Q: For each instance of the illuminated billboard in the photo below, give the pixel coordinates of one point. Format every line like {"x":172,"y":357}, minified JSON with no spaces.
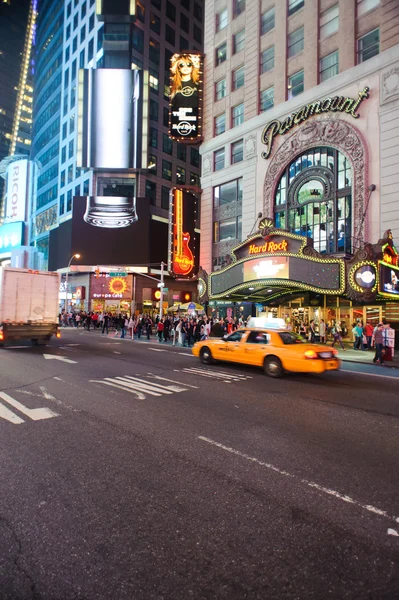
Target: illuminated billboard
{"x":389,"y":280}
{"x":110,"y":212}
{"x":11,"y":237}
{"x":107,"y":286}
{"x":182,"y":235}
{"x":112,"y":119}
{"x":185,"y":97}
{"x":17,"y":185}
{"x":267,"y":268}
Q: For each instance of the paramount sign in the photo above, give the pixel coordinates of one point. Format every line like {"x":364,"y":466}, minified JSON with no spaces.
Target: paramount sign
{"x":335,"y":104}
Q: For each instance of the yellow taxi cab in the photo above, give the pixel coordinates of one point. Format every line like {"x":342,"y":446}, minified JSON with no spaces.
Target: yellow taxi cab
{"x":276,"y":351}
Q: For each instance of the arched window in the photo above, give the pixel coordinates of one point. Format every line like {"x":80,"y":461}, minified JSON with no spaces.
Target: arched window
{"x":314,"y":199}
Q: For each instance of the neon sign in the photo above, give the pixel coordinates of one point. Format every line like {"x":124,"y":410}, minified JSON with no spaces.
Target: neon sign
{"x":269,"y":247}
{"x":182,"y":256}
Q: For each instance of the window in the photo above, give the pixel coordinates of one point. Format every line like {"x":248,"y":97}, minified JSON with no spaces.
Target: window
{"x":70,"y":149}
{"x":63,"y":154}
{"x":180,"y":175}
{"x":82,"y":59}
{"x":64,"y":130}
{"x":156,"y":3}
{"x":152,"y":163}
{"x":165,"y":117}
{"x":155,"y":23}
{"x":220,"y":124}
{"x":221,"y":20}
{"x":151,"y":191}
{"x":314,"y":199}
{"x":91,"y":22}
{"x":185,"y":4}
{"x":221,"y":54}
{"x":167,"y":170}
{"x":267,"y":99}
{"x":227,"y":193}
{"x":62,"y":181}
{"x":165,"y":197}
{"x":153,"y":137}
{"x":295,"y":42}
{"x":238,"y":78}
{"x":239,"y":7}
{"x":140,"y":11}
{"x":169,"y":36}
{"x":154,"y":51}
{"x":235,"y":337}
{"x":183,"y":43}
{"x":218,"y":159}
{"x":197,"y":11}
{"x":138,"y":40}
{"x":184,"y":22}
{"x":258,"y":337}
{"x":69,"y":201}
{"x":295,"y":84}
{"x":194,"y":179}
{"x":368,"y":46}
{"x":237,"y":115}
{"x":197,"y":32}
{"x":170,"y":11}
{"x":167,"y":144}
{"x":62,"y":204}
{"x":364,"y":6}
{"x":75,"y":43}
{"x":294,"y":5}
{"x":153,"y":110}
{"x":329,"y":22}
{"x":239,"y":41}
{"x":267,"y":60}
{"x":70,"y":173}
{"x":267,"y":21}
{"x":194,"y":157}
{"x":237,"y":152}
{"x":181,"y":152}
{"x":90,"y":50}
{"x":329,"y":66}
{"x":227,"y":229}
{"x":153,"y":79}
{"x":86,"y":184}
{"x":220,"y":89}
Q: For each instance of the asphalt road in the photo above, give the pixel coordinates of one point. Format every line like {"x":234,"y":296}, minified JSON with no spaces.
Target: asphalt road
{"x":133,"y":472}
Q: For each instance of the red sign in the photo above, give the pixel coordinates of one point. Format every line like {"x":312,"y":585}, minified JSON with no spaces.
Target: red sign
{"x":182,"y":233}
{"x":269,"y":247}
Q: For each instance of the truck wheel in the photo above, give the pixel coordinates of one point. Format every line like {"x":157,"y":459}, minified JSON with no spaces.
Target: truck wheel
{"x":273,"y":367}
{"x":206,"y":356}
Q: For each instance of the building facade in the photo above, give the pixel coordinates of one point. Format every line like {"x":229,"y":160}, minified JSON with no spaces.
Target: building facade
{"x":301,"y":136}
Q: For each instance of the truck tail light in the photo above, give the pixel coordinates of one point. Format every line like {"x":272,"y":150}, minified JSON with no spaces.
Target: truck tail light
{"x":1,"y":336}
{"x":58,"y":334}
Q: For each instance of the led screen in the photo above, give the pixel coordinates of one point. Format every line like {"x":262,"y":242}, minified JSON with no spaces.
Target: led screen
{"x":107,"y":286}
{"x":11,"y":237}
{"x":110,"y":118}
{"x":266,"y":268}
{"x":389,"y":280}
{"x":185,"y":97}
{"x":183,"y":238}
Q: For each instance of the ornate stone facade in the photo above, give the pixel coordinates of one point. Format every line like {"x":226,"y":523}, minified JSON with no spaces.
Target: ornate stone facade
{"x":324,"y":132}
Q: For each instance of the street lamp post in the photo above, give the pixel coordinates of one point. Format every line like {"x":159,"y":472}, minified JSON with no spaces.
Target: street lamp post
{"x":66,"y":282}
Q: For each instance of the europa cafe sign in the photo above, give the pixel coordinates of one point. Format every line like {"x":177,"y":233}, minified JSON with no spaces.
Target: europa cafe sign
{"x":335,"y":104}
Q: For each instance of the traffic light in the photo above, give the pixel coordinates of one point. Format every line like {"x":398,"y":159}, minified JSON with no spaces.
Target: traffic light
{"x":187,"y":296}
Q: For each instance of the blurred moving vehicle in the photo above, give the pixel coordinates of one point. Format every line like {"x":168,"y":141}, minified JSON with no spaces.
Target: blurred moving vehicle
{"x":29,"y":305}
{"x":276,"y":351}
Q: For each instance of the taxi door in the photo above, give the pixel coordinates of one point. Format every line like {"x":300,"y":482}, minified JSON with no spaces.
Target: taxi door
{"x":230,"y":347}
{"x":255,"y":348}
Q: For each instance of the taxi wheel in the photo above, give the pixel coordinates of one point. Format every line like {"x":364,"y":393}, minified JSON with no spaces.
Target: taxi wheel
{"x":273,"y":367}
{"x":206,"y":356}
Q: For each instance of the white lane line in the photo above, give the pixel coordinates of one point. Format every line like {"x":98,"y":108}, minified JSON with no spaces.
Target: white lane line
{"x":157,"y":350}
{"x":217,"y":373}
{"x":36,"y":414}
{"x":214,"y":375}
{"x":116,"y":352}
{"x":311,"y":484}
{"x":158,"y":378}
{"x":156,"y":386}
{"x":8,"y":415}
{"x":139,"y":395}
{"x":369,"y":374}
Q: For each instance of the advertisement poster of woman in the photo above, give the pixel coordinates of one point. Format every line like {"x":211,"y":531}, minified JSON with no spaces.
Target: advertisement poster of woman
{"x":185,"y":95}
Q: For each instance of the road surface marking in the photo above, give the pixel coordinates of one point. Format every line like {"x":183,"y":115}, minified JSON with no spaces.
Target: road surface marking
{"x":369,"y":374}
{"x":116,"y":352}
{"x":62,"y":358}
{"x":157,"y":350}
{"x":392,"y":532}
{"x":74,"y":344}
{"x":8,"y":415}
{"x":142,"y":386}
{"x":36,"y":414}
{"x":139,"y":395}
{"x":311,"y":484}
{"x":210,"y":374}
{"x":158,"y":378}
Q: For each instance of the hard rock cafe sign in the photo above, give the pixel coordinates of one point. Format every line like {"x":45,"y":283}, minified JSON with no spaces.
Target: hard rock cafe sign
{"x":335,"y":104}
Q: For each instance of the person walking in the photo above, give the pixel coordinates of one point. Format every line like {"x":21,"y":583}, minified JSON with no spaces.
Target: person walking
{"x":358,"y":335}
{"x":312,"y":332}
{"x":379,"y":344}
{"x":160,"y":330}
{"x":337,"y":335}
{"x":105,"y":323}
{"x":368,"y":332}
{"x":322,"y":331}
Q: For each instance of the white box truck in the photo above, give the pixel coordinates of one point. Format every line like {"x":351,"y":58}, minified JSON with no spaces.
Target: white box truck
{"x":29,"y":305}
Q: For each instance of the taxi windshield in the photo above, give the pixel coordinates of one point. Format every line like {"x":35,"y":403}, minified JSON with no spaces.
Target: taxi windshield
{"x":288,"y":337}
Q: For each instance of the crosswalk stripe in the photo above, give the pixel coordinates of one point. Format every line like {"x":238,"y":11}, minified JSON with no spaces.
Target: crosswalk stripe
{"x":173,"y":388}
{"x":140,"y":395}
{"x":133,"y":386}
{"x":158,"y":378}
{"x":145,"y":385}
{"x":211,"y":373}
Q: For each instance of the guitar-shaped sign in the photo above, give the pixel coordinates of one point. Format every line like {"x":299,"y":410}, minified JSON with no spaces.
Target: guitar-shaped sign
{"x":183,"y":259}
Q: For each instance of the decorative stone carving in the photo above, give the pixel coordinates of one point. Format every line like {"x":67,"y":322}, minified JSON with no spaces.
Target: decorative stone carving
{"x":390,"y":84}
{"x":250,"y":146}
{"x":206,"y":164}
{"x":324,"y":132}
{"x":311,"y":252}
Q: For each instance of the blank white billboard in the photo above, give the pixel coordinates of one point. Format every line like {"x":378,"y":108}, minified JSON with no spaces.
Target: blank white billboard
{"x":17,"y":185}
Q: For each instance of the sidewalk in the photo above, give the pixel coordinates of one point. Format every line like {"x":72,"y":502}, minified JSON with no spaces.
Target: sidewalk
{"x":364,"y":357}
